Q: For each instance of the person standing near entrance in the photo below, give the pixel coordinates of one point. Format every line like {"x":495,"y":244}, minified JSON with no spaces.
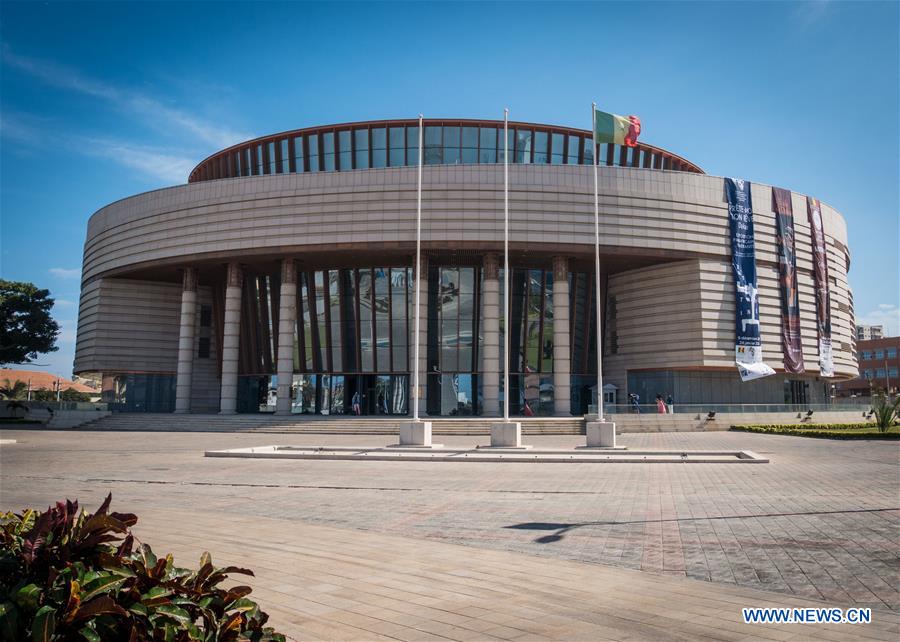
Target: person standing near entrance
{"x":670,"y":404}
{"x":356,"y":409}
{"x":660,"y":405}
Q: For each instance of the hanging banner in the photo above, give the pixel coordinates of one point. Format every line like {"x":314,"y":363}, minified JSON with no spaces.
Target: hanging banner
{"x":751,"y":371}
{"x":823,"y":297}
{"x":748,"y":348}
{"x":791,"y":340}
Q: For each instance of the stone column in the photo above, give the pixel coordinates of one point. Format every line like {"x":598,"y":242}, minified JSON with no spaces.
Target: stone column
{"x":186,"y":340}
{"x":490,"y":329}
{"x":231,"y":339}
{"x":422,"y":338}
{"x":287,"y":317}
{"x":562,"y":395}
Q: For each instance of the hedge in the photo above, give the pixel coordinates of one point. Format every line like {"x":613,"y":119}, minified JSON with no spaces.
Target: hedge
{"x":823,"y":431}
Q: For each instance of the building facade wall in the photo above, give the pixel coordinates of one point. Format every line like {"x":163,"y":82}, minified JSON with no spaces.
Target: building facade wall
{"x":674,"y":219}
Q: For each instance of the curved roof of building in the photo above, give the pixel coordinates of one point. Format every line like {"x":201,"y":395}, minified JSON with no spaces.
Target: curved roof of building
{"x":394,"y":143}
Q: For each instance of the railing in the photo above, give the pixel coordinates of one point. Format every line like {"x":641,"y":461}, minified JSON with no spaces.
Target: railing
{"x":848,"y":405}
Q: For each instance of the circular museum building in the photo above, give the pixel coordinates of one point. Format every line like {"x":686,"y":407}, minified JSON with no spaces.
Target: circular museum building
{"x":281,"y":278}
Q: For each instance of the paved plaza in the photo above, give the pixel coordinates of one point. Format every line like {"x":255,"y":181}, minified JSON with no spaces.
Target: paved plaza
{"x":437,"y":550}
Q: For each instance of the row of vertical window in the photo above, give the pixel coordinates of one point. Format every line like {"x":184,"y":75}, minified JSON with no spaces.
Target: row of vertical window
{"x":398,"y":146}
{"x":867,"y":355}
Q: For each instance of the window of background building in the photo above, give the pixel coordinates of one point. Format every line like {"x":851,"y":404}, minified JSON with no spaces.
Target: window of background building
{"x":892,"y":372}
{"x":879,"y":354}
{"x":892,"y":353}
{"x":865,"y":355}
{"x":867,"y":374}
{"x":879,"y":374}
{"x":203,"y":348}
{"x":327,"y":152}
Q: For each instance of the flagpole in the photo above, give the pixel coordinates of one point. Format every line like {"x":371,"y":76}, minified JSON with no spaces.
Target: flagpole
{"x":597,"y":262}
{"x":506,"y":264}
{"x":418,"y":277}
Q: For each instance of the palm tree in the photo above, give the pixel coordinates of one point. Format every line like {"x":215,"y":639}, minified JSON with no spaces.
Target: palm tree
{"x":15,"y":390}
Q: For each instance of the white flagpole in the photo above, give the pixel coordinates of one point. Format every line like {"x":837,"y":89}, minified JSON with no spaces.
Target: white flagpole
{"x":418,"y":276}
{"x":597,"y":262}
{"x":506,"y":264}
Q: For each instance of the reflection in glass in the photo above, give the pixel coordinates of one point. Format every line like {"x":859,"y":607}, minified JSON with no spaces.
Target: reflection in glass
{"x":313,"y":142}
{"x":523,"y":145}
{"x":574,"y":149}
{"x":412,"y":146}
{"x":285,"y":162}
{"x":556,"y":149}
{"x":433,"y":155}
{"x":540,"y":147}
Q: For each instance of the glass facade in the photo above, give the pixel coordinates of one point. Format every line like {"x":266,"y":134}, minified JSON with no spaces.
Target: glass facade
{"x":139,"y":392}
{"x":353,"y":330}
{"x":397,"y":145}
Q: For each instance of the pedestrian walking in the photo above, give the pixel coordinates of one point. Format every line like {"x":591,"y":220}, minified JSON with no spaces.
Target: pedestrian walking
{"x":670,"y":404}
{"x":660,"y":405}
{"x":356,"y":407}
{"x":635,"y":402}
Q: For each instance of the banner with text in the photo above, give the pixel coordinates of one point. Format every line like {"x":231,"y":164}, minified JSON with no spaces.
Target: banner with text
{"x":823,"y":296}
{"x":748,"y":347}
{"x":791,"y":340}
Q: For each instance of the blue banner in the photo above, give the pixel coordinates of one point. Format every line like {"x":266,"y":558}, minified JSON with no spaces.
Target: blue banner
{"x":748,"y":347}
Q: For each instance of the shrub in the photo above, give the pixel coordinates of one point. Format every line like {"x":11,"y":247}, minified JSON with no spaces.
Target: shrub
{"x":823,"y":431}
{"x":886,"y":412}
{"x":69,"y":575}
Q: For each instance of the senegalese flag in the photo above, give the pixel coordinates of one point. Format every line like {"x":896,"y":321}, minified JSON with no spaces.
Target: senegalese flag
{"x":619,"y":130}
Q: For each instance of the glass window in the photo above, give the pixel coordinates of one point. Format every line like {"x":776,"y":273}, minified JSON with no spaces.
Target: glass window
{"x":879,"y":354}
{"x":346,"y":150}
{"x":398,"y":148}
{"x":285,"y":157}
{"x":205,"y":316}
{"x":540,"y":148}
{"x":361,"y":146}
{"x":510,"y":145}
{"x":259,"y":160}
{"x":573,"y":152}
{"x":237,"y":164}
{"x":892,"y":372}
{"x":328,"y":152}
{"x":556,"y":151}
{"x":588,"y":151}
{"x":382,"y":322}
{"x":366,"y":339}
{"x":412,"y":145}
{"x":867,"y":374}
{"x":488,"y":151}
{"x":433,"y":155}
{"x":892,"y":353}
{"x":866,"y":355}
{"x":400,"y":303}
{"x":469,"y":145}
{"x":203,"y":348}
{"x":272,"y":165}
{"x":313,"y":142}
{"x":379,"y":147}
{"x":451,"y":145}
{"x":524,"y":139}
{"x":879,"y":374}
{"x":248,"y":162}
{"x":298,"y":153}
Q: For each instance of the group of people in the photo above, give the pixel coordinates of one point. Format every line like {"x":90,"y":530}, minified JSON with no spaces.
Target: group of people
{"x":663,"y":405}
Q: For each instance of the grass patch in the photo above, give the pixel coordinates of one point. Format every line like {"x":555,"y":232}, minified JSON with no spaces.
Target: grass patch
{"x":823,"y":431}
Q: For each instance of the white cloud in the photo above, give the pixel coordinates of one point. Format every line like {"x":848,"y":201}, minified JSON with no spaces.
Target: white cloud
{"x":885,"y":314}
{"x":146,"y":108}
{"x":63,"y":303}
{"x":153,"y":161}
{"x":65,"y":273}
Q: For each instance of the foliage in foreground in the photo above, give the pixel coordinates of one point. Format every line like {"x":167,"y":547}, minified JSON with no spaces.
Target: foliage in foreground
{"x":66,"y":574}
{"x":886,"y":412}
{"x":822,"y":431}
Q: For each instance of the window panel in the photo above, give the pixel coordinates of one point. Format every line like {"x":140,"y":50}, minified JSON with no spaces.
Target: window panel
{"x":313,"y":142}
{"x":271,"y":160}
{"x":412,"y":146}
{"x":588,"y":151}
{"x":400,"y":304}
{"x":361,"y":146}
{"x":366,"y":338}
{"x":398,"y":147}
{"x":540,"y":148}
{"x":345,"y":150}
{"x":379,"y":147}
{"x":433,"y":152}
{"x":488,"y":143}
{"x":574,"y":149}
{"x":328,"y":152}
{"x":556,"y":149}
{"x":451,"y":145}
{"x":298,"y":153}
{"x":524,"y":139}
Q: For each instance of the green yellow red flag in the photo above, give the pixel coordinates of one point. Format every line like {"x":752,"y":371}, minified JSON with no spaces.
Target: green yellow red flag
{"x":619,"y":130}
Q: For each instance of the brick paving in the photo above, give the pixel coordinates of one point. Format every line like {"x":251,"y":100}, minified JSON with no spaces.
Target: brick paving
{"x":820,"y":522}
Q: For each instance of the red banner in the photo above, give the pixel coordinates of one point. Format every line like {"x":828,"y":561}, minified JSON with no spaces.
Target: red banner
{"x":791,"y":340}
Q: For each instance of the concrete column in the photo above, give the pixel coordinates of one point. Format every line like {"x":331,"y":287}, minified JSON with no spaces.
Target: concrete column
{"x":422,"y":339}
{"x":231,"y":339}
{"x":562,"y":368}
{"x":186,"y":340}
{"x":287,"y":318}
{"x":490,"y":330}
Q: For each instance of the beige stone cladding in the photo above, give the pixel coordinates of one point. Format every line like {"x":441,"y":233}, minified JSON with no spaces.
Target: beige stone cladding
{"x":652,"y":215}
{"x":128,"y":326}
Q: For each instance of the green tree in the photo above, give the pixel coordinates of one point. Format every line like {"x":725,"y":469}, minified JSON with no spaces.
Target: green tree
{"x":26,"y":327}
{"x":10,"y":390}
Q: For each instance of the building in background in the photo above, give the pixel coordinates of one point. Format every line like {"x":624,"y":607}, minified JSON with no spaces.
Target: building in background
{"x":869,"y":332}
{"x":879,"y":368}
{"x":281,"y":276}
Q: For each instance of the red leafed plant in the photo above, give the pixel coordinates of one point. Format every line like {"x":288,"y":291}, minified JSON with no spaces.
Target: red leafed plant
{"x":66,"y":574}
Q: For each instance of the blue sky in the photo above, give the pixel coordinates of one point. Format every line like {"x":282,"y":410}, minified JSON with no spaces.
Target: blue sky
{"x":102,"y":101}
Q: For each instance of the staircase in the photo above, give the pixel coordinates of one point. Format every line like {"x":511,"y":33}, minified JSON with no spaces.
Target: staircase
{"x":339,"y":425}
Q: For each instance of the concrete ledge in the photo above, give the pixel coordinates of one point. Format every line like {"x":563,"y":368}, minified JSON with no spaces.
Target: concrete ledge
{"x":506,"y":434}
{"x":600,"y":434}
{"x":415,"y":433}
